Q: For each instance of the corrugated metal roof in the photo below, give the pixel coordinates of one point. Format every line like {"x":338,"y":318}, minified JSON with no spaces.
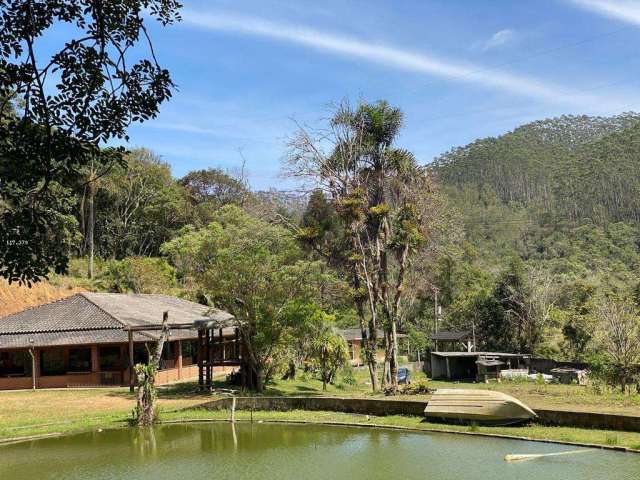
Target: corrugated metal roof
{"x":450,"y":336}
{"x":479,"y":354}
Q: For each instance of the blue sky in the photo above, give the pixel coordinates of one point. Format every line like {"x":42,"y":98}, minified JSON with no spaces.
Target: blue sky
{"x":247,"y":71}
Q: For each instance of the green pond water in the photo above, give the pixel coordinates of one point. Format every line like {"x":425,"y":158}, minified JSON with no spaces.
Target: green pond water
{"x":268,"y":451}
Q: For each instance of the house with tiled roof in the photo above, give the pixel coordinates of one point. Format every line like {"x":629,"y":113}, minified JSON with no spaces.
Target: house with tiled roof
{"x":94,"y":339}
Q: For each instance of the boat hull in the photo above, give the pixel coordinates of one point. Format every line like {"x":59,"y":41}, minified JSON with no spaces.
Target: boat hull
{"x":483,"y":407}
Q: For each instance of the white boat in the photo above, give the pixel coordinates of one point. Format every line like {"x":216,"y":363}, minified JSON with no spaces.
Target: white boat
{"x":476,"y":406}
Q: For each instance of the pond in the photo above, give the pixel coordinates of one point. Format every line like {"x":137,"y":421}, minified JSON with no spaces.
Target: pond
{"x":282,"y":451}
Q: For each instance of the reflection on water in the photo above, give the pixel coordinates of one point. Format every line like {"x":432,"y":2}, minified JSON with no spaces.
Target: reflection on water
{"x":254,"y":451}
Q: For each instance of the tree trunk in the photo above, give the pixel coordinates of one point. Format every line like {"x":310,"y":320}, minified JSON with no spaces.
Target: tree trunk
{"x":145,"y":408}
{"x":393,"y":360}
{"x":259,"y":382}
{"x":90,"y":227}
{"x":373,"y":373}
{"x":368,"y":339}
{"x":372,"y":362}
{"x":385,"y":372}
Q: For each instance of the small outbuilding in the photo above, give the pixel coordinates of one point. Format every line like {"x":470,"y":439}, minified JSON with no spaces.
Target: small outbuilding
{"x":475,"y":366}
{"x":452,"y":341}
{"x":353,"y":337}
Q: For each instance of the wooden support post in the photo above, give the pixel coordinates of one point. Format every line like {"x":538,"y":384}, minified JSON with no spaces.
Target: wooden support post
{"x":200,"y":360}
{"x":34,"y":371}
{"x":207,"y":336}
{"x":236,"y":346}
{"x":243,"y":366}
{"x":179,"y":358}
{"x":448,"y":368}
{"x":95,"y":361}
{"x":131,"y":372}
{"x":222,"y":347}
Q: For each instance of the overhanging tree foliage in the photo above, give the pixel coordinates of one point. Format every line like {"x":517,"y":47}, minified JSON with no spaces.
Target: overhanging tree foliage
{"x":257,"y":272}
{"x":86,"y":93}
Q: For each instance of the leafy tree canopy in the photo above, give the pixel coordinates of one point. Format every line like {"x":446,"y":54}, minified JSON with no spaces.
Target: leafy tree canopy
{"x":66,"y":105}
{"x":255,"y":270}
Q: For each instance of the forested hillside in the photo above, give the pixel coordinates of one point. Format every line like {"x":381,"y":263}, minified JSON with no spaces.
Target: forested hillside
{"x":551,"y":215}
{"x":574,"y":169}
{"x":538,"y":234}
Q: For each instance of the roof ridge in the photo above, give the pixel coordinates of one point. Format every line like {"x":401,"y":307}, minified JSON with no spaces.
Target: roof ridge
{"x":33,"y":307}
{"x":102,"y":309}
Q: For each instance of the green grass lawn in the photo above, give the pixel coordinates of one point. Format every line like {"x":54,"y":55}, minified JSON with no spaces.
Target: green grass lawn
{"x":26,"y":413}
{"x":550,"y":396}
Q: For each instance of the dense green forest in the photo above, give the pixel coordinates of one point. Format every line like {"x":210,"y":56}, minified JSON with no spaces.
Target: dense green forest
{"x":536,"y":243}
{"x":531,"y":240}
{"x":550,"y":218}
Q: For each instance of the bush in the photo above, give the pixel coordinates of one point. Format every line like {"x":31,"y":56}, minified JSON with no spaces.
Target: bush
{"x":137,"y":275}
{"x":348,"y":376}
{"x":420,"y":387}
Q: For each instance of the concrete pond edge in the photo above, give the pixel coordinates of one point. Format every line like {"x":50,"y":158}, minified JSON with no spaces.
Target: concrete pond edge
{"x":382,"y":407}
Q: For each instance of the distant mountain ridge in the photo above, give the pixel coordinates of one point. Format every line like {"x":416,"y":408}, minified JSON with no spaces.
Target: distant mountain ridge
{"x":572,"y":168}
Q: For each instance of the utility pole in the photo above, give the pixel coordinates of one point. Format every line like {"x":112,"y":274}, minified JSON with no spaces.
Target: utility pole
{"x":32,"y":352}
{"x":473,"y":330}
{"x":436,"y":309}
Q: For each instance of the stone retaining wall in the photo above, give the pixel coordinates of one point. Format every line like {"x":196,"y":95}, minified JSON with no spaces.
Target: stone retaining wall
{"x":380,"y":407}
{"x":605,"y":421}
{"x":364,"y":406}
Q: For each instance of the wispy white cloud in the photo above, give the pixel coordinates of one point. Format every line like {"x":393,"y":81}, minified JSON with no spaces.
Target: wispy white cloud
{"x":184,"y":127}
{"x":396,"y":58}
{"x":625,"y":10}
{"x":499,"y":39}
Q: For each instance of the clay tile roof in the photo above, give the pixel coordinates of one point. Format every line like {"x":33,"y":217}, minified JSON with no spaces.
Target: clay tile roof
{"x":60,"y":339}
{"x":69,"y":314}
{"x":103,"y":318}
{"x":147,"y":309}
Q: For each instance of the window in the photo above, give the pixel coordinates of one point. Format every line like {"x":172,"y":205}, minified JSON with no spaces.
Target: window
{"x":110,"y":359}
{"x":15,"y":364}
{"x":79,"y":359}
{"x":189,"y":352}
{"x":140,"y":354}
{"x":52,"y":362}
{"x":167,"y":351}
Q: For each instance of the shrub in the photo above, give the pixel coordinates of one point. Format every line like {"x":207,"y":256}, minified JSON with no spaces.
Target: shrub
{"x":420,"y":387}
{"x":137,"y":275}
{"x":348,"y":375}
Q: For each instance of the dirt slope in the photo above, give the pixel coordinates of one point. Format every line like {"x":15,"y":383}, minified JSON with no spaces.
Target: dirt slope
{"x":14,"y":298}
